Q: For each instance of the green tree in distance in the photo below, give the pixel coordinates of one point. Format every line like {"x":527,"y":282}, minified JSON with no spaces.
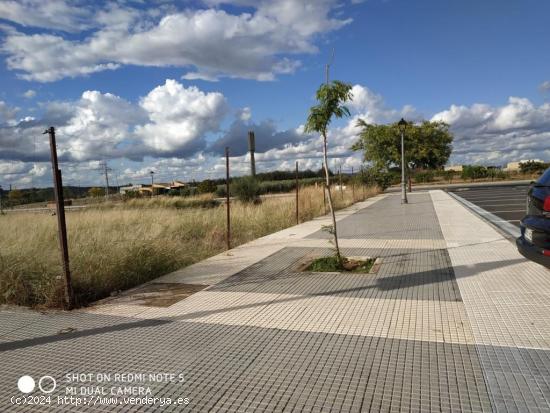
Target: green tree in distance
{"x":428,"y":145}
{"x":96,"y":192}
{"x":207,"y":186}
{"x":331,"y":98}
{"x":15,"y":196}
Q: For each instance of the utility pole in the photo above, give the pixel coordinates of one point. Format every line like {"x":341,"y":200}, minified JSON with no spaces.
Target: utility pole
{"x":106,"y":170}
{"x":1,"y":206}
{"x":61,"y":223}
{"x":327,"y":66}
{"x":228,"y":235}
{"x":252,"y":149}
{"x":152,"y":183}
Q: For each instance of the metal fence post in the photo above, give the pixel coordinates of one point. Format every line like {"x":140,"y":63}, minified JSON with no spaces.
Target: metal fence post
{"x":352,"y":186}
{"x":297,"y":207}
{"x":228,"y":235}
{"x":61,"y":223}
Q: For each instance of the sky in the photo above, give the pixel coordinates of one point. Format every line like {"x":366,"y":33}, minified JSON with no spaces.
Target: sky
{"x":165,"y":86}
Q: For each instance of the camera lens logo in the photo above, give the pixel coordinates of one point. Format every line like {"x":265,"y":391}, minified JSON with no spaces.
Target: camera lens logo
{"x":46,"y":384}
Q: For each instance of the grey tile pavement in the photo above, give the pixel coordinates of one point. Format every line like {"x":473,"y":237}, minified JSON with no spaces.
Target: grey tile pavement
{"x":271,"y":339}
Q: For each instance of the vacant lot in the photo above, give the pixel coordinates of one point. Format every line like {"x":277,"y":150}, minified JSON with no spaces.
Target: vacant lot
{"x":119,"y":246}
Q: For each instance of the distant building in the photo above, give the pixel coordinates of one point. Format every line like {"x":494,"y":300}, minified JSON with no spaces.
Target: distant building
{"x":456,"y":168}
{"x":160,"y":188}
{"x":514,"y":166}
{"x":130,"y":188}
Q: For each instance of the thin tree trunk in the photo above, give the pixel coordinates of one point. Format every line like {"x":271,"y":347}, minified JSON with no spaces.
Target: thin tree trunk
{"x":327,"y":183}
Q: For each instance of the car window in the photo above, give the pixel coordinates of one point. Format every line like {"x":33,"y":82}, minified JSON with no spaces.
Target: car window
{"x":545,"y":178}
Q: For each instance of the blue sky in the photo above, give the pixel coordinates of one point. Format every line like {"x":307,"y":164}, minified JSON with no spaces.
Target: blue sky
{"x":98,"y":71}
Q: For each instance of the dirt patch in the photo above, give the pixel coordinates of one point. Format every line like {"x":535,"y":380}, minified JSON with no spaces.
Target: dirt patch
{"x":156,"y":294}
{"x":365,"y":265}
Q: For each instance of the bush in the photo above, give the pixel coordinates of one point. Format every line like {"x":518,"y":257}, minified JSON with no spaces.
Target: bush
{"x":207,"y":186}
{"x":96,"y":192}
{"x":448,"y":175}
{"x":532,"y":167}
{"x":424,"y":176}
{"x":131,"y":195}
{"x":474,"y":172}
{"x":246,"y":189}
{"x":381,"y":179}
{"x":495,"y":173}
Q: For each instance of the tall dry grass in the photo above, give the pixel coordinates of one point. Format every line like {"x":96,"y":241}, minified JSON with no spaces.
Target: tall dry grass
{"x":118,"y":246}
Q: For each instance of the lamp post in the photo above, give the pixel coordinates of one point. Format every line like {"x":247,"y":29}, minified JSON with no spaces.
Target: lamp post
{"x":402,"y":125}
{"x":152,"y":183}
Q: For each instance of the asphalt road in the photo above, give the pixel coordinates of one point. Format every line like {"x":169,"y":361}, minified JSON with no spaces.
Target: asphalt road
{"x":505,"y":201}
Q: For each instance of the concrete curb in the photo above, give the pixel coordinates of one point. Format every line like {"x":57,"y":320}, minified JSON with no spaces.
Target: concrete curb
{"x":510,"y":231}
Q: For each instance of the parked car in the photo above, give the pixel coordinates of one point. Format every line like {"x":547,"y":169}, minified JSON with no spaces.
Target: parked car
{"x":534,"y":242}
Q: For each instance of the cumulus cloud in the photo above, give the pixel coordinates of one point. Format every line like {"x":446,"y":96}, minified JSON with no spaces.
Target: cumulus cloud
{"x":487,"y":134}
{"x":169,"y":120}
{"x":209,"y":42}
{"x":165,"y":132}
{"x":372,"y":108}
{"x":179,"y":117}
{"x":266,"y":133}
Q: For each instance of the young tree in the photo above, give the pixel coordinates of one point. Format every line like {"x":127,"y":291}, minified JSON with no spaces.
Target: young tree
{"x":331,"y":98}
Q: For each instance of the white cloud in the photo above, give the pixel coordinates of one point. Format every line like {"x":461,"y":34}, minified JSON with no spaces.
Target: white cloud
{"x":29,"y":94}
{"x":51,"y":14}
{"x":179,"y":116}
{"x":98,"y":125}
{"x":165,"y":132}
{"x":372,"y":108}
{"x":245,"y":114}
{"x":209,"y":42}
{"x":7,"y":113}
{"x":487,"y":134}
{"x":545,"y":86}
{"x":169,"y":120}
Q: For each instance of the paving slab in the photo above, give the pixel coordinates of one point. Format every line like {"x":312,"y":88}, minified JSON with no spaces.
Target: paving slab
{"x":421,"y":334}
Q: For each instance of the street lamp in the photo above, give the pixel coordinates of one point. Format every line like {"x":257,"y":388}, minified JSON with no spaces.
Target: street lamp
{"x":402,"y":124}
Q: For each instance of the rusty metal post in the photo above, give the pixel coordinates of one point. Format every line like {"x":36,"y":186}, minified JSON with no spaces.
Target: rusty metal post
{"x":297,"y":198}
{"x":341,"y":187}
{"x":363,"y":182}
{"x":227,"y":201}
{"x":352,"y":186}
{"x":61,"y":223}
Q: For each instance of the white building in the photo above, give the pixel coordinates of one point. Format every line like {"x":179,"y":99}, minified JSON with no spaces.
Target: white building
{"x":456,"y":168}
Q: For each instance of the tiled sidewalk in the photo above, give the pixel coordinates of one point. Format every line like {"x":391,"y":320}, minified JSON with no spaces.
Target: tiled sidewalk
{"x":419,"y":335}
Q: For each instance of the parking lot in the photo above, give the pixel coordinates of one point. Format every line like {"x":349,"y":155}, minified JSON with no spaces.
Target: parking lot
{"x":504,"y":201}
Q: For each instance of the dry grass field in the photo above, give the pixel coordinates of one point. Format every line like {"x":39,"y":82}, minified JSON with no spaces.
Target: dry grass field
{"x":115,"y":247}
